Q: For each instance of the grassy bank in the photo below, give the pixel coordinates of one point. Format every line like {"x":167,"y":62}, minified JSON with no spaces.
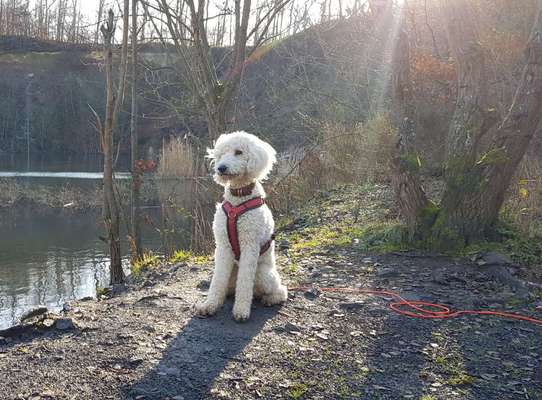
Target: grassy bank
{"x":364,"y":217}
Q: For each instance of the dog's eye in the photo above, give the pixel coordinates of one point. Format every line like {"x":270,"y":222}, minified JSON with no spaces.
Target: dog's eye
{"x":238,"y":152}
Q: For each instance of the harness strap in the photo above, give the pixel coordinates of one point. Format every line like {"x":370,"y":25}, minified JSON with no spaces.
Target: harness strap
{"x":232,"y":214}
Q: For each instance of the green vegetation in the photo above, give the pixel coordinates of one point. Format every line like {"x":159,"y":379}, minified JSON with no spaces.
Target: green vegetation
{"x":297,"y":390}
{"x":183,"y":256}
{"x":335,"y":221}
{"x":102,"y":291}
{"x":461,"y":380}
{"x":41,"y":58}
{"x":146,"y":262}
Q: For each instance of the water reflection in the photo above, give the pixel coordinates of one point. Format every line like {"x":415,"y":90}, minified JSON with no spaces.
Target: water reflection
{"x":50,"y":257}
{"x":61,"y":175}
{"x":46,"y":260}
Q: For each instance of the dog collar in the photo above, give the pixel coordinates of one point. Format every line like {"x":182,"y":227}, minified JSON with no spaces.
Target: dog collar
{"x":243,"y":191}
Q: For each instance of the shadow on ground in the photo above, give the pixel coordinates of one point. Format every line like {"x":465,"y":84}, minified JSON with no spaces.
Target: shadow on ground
{"x":198,"y":355}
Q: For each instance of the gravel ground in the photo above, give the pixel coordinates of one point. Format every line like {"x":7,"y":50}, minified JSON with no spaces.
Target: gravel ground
{"x":144,"y":342}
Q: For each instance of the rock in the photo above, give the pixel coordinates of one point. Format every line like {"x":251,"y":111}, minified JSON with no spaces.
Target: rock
{"x":324,"y":335}
{"x":289,"y":327}
{"x":48,"y":322}
{"x":204,"y":285}
{"x":118,"y":289}
{"x":499,"y":273}
{"x":386,"y":273}
{"x":312,"y":294}
{"x":64,"y":324}
{"x":39,"y":311}
{"x":171,"y":371}
{"x":492,"y":258}
{"x":283,"y":244}
{"x":66,"y":307}
{"x":351,"y":306}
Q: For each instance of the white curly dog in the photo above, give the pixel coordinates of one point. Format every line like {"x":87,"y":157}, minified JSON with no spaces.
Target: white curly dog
{"x":243,"y":227}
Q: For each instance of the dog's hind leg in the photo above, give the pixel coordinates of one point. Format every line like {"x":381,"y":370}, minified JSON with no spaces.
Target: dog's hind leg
{"x":268,"y":283}
{"x":219,"y":282}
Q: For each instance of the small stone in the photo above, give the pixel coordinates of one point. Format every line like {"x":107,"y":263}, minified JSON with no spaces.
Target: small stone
{"x":204,"y":285}
{"x":64,"y":324}
{"x":312,"y":294}
{"x":47,"y":323}
{"x":351,"y":306}
{"x":322,"y":335}
{"x":34,"y":313}
{"x":492,"y":258}
{"x":283,"y":244}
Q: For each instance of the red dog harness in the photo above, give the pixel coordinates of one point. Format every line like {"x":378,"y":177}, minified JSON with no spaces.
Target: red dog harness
{"x":232,"y":214}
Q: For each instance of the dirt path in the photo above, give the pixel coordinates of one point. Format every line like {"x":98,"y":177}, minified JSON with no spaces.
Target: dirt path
{"x":145,"y":343}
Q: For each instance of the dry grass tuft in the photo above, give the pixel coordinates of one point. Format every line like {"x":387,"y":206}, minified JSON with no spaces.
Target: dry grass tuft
{"x":179,"y":159}
{"x":524,"y":206}
{"x":360,"y":153}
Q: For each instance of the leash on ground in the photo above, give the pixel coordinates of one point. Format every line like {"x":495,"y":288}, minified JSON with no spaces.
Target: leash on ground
{"x":415,"y":308}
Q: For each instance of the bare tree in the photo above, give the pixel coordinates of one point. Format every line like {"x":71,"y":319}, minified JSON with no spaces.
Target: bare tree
{"x":136,"y":169}
{"x":100,"y":12}
{"x":217,"y":94}
{"x":111,"y":211}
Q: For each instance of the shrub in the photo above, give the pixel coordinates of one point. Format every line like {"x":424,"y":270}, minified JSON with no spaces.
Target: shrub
{"x":524,"y":205}
{"x":360,"y":153}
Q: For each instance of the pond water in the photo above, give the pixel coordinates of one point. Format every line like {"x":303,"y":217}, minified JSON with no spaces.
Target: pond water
{"x":49,"y":258}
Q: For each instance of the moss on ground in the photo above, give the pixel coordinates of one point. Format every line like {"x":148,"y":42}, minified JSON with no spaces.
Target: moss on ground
{"x":364,"y":217}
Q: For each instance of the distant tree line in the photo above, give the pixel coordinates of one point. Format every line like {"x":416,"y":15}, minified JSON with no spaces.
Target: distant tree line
{"x":65,"y":21}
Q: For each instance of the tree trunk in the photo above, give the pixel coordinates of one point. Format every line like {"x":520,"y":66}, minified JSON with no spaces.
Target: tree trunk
{"x":113,"y":103}
{"x":111,"y":211}
{"x":412,"y":201}
{"x":137,"y":173}
{"x":476,"y":184}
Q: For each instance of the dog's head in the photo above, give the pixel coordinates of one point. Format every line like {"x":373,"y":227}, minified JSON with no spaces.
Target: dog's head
{"x":241,"y":157}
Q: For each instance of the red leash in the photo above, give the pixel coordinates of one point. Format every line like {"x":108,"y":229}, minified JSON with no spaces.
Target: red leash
{"x":420,"y":309}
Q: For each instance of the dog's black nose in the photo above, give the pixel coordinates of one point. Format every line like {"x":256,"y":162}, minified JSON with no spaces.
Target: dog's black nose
{"x":222,"y":168}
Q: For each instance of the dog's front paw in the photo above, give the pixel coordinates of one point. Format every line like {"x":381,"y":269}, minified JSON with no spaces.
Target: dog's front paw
{"x":206,"y":308}
{"x":241,"y":314}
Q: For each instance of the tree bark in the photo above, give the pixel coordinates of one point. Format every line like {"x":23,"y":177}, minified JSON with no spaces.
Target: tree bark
{"x":111,"y":211}
{"x":113,"y":104}
{"x":414,"y":206}
{"x":137,"y":173}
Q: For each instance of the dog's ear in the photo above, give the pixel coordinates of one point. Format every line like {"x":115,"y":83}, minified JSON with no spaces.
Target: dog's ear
{"x":262,"y":158}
